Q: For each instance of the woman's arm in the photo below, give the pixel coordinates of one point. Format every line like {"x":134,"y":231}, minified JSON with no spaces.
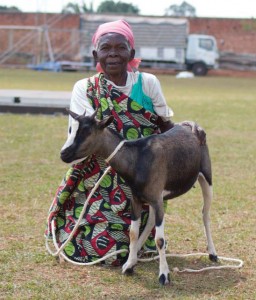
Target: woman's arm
{"x":152,"y":88}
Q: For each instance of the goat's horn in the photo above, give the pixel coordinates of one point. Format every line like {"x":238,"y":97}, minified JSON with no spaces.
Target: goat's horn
{"x":73,"y":114}
{"x":95,"y":113}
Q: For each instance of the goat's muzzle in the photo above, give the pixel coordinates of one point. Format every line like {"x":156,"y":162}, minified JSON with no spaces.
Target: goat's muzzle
{"x":66,"y":156}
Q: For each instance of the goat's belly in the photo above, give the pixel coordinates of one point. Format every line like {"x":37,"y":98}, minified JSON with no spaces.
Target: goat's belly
{"x":179,"y":187}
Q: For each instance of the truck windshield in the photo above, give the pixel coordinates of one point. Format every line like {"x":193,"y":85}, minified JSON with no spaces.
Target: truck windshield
{"x":206,"y":44}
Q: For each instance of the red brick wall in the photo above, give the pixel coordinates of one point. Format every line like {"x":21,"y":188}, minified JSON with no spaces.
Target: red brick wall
{"x":70,"y":21}
{"x":31,"y":46}
{"x":233,"y":35}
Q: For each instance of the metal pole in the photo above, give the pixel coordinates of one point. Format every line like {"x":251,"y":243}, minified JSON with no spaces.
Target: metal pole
{"x":48,"y":41}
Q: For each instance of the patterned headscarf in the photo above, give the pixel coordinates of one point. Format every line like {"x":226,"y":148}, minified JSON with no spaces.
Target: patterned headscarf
{"x":121,"y":27}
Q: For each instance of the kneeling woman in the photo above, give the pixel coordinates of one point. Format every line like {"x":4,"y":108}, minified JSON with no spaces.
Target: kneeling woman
{"x":137,"y":103}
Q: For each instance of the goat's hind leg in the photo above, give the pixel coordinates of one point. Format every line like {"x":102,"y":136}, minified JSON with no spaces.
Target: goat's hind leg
{"x":207,"y":192}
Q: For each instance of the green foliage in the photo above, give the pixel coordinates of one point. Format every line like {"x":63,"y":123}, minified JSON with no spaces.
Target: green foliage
{"x":110,"y":6}
{"x":4,"y":8}
{"x":74,"y":8}
{"x":31,"y":171}
{"x":107,"y":6}
{"x":182,"y":10}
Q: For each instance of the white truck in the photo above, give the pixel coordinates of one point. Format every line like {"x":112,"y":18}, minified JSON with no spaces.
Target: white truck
{"x":161,"y":42}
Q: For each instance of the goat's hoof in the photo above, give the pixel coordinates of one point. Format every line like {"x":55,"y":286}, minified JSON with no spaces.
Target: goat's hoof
{"x":163,"y":279}
{"x":213,"y":258}
{"x":129,"y":271}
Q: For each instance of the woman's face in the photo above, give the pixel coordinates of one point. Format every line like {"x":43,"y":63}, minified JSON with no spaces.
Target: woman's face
{"x":113,"y":53}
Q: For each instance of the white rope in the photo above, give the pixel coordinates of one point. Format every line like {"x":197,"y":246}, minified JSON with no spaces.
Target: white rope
{"x":187,"y":270}
{"x":119,"y":146}
{"x":62,"y":254}
{"x":78,"y":221}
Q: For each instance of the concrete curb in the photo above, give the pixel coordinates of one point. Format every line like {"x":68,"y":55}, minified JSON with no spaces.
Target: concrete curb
{"x":34,"y":102}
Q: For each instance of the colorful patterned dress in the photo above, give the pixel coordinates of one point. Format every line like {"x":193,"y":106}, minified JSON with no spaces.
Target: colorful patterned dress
{"x":105,"y":225}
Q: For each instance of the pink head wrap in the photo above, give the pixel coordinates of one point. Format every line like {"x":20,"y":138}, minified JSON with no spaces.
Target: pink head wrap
{"x":121,"y":27}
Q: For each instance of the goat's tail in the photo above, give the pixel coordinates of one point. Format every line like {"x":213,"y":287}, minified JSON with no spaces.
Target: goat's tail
{"x":196,"y":129}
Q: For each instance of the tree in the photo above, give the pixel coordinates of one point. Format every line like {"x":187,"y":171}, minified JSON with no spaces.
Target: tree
{"x":126,"y":8}
{"x":9,"y":9}
{"x":74,"y":8}
{"x":107,"y":6}
{"x":183,"y":10}
{"x":110,"y":6}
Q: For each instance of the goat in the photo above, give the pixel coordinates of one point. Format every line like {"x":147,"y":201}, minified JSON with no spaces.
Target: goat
{"x":159,"y":166}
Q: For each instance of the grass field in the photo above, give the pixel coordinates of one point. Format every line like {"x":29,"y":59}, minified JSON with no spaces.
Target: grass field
{"x":31,"y":171}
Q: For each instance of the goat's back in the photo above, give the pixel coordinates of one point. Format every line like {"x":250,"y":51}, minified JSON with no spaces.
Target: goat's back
{"x":174,"y":164}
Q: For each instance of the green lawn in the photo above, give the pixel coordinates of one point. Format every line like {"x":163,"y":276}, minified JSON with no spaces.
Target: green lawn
{"x":38,"y":80}
{"x":31,"y":171}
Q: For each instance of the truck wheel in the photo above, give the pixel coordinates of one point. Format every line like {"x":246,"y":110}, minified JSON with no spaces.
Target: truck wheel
{"x":199,"y":69}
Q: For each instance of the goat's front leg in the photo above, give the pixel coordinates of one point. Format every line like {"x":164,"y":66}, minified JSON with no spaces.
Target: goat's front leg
{"x":134,"y":235}
{"x":164,"y":273}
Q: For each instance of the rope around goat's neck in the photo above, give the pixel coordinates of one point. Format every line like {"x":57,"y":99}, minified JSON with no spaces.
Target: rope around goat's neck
{"x":119,"y":146}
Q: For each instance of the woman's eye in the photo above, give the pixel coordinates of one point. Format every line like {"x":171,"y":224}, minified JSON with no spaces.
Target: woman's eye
{"x":104,"y":48}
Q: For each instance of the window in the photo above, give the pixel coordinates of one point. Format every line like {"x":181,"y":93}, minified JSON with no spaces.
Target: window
{"x":206,"y":44}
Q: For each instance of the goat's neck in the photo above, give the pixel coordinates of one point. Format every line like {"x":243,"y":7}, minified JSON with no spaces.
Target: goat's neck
{"x":108,"y":142}
{"x":123,"y":159}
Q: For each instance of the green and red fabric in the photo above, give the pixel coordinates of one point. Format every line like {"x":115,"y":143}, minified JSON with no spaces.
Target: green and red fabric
{"x":105,"y":225}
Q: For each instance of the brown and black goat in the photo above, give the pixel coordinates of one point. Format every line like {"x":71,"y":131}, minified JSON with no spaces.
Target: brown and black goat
{"x":161,"y":166}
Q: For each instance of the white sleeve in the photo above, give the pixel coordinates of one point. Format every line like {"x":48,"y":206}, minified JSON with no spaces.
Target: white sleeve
{"x":79,"y":104}
{"x":152,"y":88}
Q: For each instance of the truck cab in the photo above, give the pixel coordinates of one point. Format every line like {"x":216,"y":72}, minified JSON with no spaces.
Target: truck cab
{"x":201,"y":54}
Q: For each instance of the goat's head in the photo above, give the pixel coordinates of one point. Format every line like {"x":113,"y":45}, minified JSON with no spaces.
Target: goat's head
{"x":85,"y":141}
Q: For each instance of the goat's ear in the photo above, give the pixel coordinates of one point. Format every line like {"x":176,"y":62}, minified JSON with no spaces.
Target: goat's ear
{"x":73,"y":114}
{"x":104,"y":123}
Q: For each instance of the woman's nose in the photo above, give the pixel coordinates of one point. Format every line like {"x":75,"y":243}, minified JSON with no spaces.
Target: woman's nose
{"x":112,"y":52}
